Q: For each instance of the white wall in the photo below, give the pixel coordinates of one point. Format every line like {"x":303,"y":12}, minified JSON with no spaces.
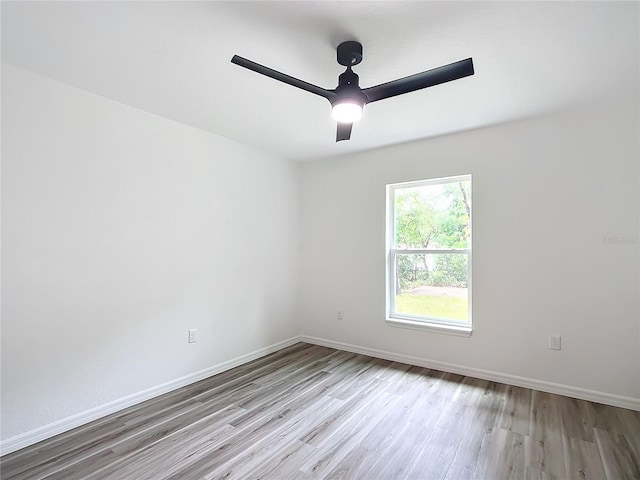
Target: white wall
{"x":549,"y":194}
{"x":121,"y":230}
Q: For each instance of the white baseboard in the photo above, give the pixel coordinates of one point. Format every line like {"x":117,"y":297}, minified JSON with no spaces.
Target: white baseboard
{"x":47,"y":431}
{"x":566,"y":390}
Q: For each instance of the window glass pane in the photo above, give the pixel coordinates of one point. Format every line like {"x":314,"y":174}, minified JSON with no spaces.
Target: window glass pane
{"x":433,"y":216}
{"x":432,"y":285}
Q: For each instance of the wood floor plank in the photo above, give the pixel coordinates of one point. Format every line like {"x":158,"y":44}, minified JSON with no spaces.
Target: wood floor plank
{"x":363,"y":459}
{"x":282,"y":456}
{"x":501,"y":456}
{"x":325,"y":429}
{"x":543,"y":448}
{"x":442,"y":443}
{"x":429,"y":403}
{"x":346,"y":436}
{"x":268,"y":397}
{"x":582,"y":459}
{"x":355,"y":380}
{"x":309,"y":412}
{"x":516,"y":412}
{"x":572,"y":422}
{"x":402,"y":453}
{"x":137,"y":436}
{"x":154,"y":457}
{"x":393,"y":370}
{"x":262,"y":427}
{"x":618,"y":459}
{"x":478,"y":421}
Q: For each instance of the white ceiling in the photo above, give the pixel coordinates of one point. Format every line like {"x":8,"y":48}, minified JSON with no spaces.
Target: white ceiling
{"x":172,"y":59}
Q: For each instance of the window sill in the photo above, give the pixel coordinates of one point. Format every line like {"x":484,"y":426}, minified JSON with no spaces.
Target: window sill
{"x":430,"y":327}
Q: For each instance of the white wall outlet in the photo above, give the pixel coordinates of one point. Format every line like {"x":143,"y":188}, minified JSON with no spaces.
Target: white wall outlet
{"x":340,"y":315}
{"x":193,"y":335}
{"x":555,"y":342}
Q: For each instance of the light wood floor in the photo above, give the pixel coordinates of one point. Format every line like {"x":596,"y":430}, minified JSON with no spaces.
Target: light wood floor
{"x":314,"y":412}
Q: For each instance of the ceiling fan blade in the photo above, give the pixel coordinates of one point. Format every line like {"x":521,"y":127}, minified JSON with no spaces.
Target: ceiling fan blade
{"x":344,"y":131}
{"x":436,"y":76}
{"x":269,"y":72}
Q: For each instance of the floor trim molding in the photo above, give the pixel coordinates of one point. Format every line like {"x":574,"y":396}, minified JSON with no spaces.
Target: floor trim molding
{"x":544,"y":386}
{"x":36,"y":435}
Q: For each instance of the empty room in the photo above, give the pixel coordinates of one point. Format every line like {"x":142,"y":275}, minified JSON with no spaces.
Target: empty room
{"x":360,"y":240}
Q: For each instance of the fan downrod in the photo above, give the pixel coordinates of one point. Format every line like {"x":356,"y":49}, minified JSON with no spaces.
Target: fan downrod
{"x":349,"y":53}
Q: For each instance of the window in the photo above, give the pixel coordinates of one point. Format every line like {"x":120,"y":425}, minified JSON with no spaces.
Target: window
{"x":429,"y":254}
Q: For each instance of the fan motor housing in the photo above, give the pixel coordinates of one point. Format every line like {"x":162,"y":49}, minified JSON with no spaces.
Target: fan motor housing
{"x":349,"y":53}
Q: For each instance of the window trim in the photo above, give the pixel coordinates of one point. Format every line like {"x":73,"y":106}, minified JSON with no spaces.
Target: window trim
{"x":434,"y":324}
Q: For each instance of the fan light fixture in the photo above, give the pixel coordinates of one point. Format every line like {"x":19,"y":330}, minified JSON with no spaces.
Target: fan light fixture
{"x":347,"y":112}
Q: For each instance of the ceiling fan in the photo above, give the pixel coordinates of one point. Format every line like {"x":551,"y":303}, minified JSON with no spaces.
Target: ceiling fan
{"x":348,"y":99}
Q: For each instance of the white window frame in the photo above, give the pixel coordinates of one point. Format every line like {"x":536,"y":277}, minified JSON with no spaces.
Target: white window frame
{"x":435,"y":324}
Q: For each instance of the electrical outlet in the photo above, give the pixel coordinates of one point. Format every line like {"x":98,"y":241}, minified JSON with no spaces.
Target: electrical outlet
{"x":193,"y":337}
{"x":340,"y":315}
{"x":555,"y":342}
